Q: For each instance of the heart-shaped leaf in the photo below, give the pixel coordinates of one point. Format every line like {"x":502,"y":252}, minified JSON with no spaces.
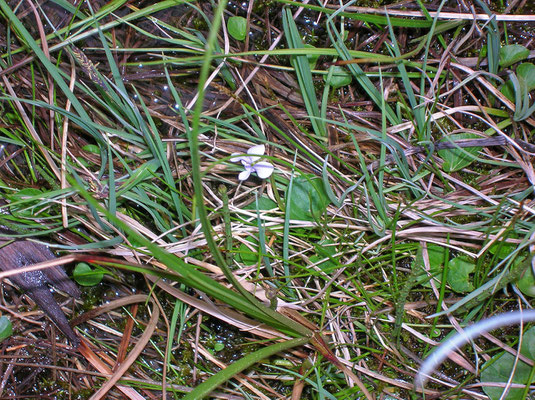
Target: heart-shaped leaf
{"x":436,"y":256}
{"x":511,"y":54}
{"x":526,"y":74}
{"x":237,"y":27}
{"x":526,"y":283}
{"x":248,"y":253}
{"x":87,"y":276}
{"x":503,"y":249}
{"x":458,"y":158}
{"x":6,"y":328}
{"x":308,"y":198}
{"x":339,"y":77}
{"x":264,"y":204}
{"x":459,"y":270}
{"x":499,"y":368}
{"x":526,"y":71}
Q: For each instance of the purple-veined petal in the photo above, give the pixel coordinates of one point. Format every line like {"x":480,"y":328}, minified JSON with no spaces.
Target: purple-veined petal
{"x":247,"y":161}
{"x":235,"y":157}
{"x":263,"y":169}
{"x":244,"y":175}
{"x":252,"y":159}
{"x":257,"y":150}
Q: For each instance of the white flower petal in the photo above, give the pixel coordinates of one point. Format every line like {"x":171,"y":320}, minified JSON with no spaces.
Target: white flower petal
{"x":257,"y":150}
{"x":263,"y":169}
{"x":244,"y":175}
{"x":246,"y":162}
{"x":235,"y":157}
{"x":252,"y":159}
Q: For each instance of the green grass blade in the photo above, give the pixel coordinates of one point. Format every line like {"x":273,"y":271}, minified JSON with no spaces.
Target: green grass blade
{"x":357,"y":72}
{"x":370,"y":18}
{"x":286,"y":229}
{"x":493,"y":40}
{"x":262,"y":239}
{"x":303,"y":73}
{"x":205,"y":388}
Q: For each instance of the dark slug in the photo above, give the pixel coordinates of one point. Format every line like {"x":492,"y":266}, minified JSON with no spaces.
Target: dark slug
{"x":20,"y":253}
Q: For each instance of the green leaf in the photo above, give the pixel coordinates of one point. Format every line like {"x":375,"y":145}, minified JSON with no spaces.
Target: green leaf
{"x":264,"y":204}
{"x":459,"y":270}
{"x":6,"y":328}
{"x":324,"y":249}
{"x":436,"y":256}
{"x":338,"y":78}
{"x":526,"y":283}
{"x":526,"y":74}
{"x":218,"y":346}
{"x":25,"y":193}
{"x":87,"y":276}
{"x":503,"y":249}
{"x":237,"y":27}
{"x":91,"y":148}
{"x":234,"y":368}
{"x":511,"y":54}
{"x":508,"y":90}
{"x":308,"y":200}
{"x":526,"y":71}
{"x":25,"y":207}
{"x":458,"y":158}
{"x":311,"y":57}
{"x":245,"y":254}
{"x":303,"y":74}
{"x":499,"y":368}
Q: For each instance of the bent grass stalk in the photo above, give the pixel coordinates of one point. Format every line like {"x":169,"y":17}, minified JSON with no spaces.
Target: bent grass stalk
{"x":486,"y":325}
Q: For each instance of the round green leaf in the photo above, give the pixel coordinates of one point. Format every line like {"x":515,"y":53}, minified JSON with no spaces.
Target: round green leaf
{"x":436,"y":256}
{"x":339,"y":77}
{"x":499,"y":371}
{"x":458,"y":158}
{"x":526,"y":71}
{"x":87,"y":276}
{"x":435,"y":333}
{"x":6,"y":328}
{"x":499,"y":368}
{"x":237,"y":27}
{"x":218,"y":346}
{"x":512,"y":54}
{"x":91,"y":148}
{"x":503,"y":249}
{"x":264,"y":204}
{"x":247,"y":256}
{"x":526,"y":284}
{"x":308,"y":199}
{"x":311,"y":57}
{"x":459,"y":270}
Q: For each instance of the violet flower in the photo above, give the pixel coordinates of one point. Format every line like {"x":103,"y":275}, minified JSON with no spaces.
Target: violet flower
{"x":251,"y":162}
